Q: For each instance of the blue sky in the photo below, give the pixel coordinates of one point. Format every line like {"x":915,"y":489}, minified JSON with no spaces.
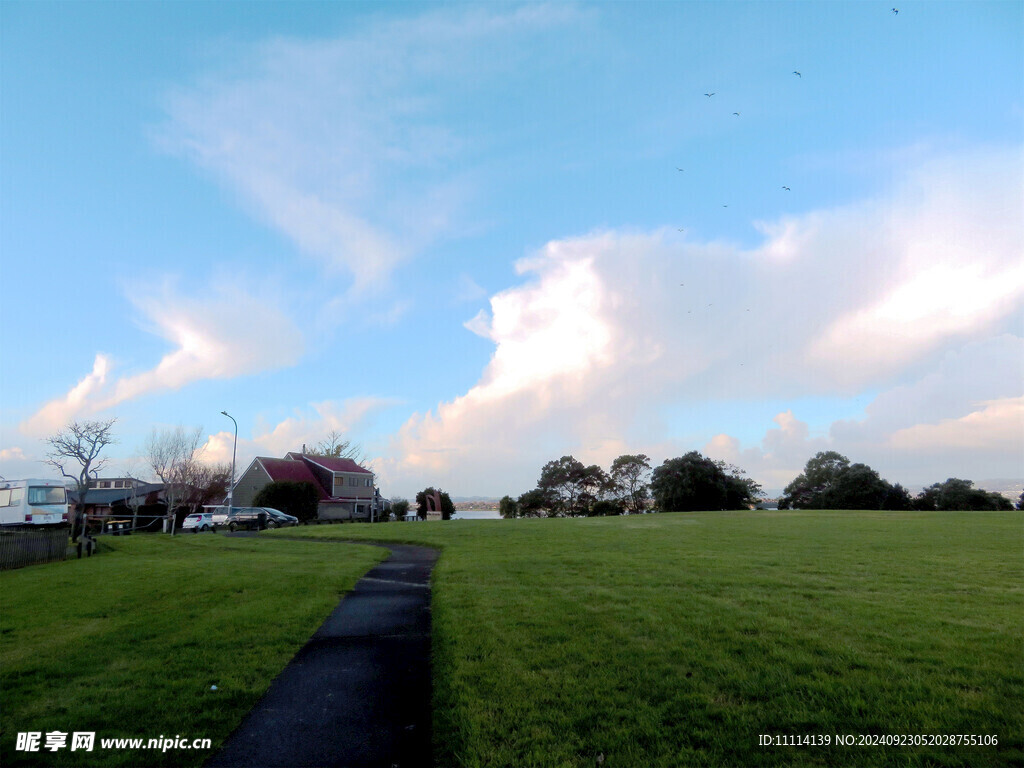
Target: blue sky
{"x":459,"y":234}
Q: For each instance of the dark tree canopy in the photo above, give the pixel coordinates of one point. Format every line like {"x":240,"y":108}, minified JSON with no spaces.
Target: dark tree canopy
{"x":447,"y":507}
{"x":508,"y":507}
{"x":956,"y":494}
{"x":399,"y":507}
{"x":532,"y":503}
{"x":830,"y":481}
{"x":298,"y":499}
{"x":898,"y":498}
{"x":569,"y":488}
{"x":694,"y":482}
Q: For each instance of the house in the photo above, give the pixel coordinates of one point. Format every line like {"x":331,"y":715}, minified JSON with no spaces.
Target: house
{"x":122,"y":497}
{"x":345,"y":489}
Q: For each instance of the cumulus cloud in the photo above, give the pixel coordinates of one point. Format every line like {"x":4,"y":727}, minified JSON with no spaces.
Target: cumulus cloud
{"x":314,"y":136}
{"x":609,"y":328}
{"x":308,"y":427}
{"x":997,"y":424}
{"x":221,"y":333}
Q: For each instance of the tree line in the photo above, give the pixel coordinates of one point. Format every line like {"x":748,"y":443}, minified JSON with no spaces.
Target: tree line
{"x":692,"y":482}
{"x":830,"y":481}
{"x":568,"y":488}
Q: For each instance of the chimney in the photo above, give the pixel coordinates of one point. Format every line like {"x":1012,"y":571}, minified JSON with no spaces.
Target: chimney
{"x":303,"y":449}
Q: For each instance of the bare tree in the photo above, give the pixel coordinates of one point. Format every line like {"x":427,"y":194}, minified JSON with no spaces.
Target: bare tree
{"x":77,"y":448}
{"x":172,"y":455}
{"x":206,"y":483}
{"x":336,"y":446}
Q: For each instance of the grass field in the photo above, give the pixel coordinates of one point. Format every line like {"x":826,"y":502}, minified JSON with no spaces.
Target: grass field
{"x":678,"y":639}
{"x":128,"y":643}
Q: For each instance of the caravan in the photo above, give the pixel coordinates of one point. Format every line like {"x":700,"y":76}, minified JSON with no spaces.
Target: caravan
{"x":33,"y":502}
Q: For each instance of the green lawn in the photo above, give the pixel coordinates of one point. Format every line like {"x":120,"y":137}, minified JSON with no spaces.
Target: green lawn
{"x":677,"y":639}
{"x":662,"y":640}
{"x":128,"y":643}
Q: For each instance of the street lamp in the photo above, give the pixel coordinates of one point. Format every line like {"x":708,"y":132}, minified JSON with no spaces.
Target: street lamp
{"x":231,"y":485}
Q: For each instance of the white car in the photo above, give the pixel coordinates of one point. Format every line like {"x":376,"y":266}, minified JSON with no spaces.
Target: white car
{"x":201,"y":521}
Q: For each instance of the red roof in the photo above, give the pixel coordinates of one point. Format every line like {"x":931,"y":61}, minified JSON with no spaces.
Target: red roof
{"x":334,"y":465}
{"x":292,"y":471}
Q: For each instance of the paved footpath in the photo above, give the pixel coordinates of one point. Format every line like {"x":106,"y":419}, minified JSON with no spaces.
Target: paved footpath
{"x":358,"y":693}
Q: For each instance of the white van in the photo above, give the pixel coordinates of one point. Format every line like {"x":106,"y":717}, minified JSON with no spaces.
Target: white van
{"x":33,"y":502}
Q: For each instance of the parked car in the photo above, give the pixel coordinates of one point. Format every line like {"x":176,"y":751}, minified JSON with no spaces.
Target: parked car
{"x":200,"y":521}
{"x":249,"y":518}
{"x":278,"y":519}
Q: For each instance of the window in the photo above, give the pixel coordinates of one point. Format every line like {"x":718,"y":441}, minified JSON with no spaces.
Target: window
{"x":5,"y":498}
{"x":46,"y":495}
{"x":369,"y":482}
{"x":353,"y":481}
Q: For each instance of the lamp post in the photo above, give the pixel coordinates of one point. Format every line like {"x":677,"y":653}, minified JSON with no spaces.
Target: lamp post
{"x":231,"y":485}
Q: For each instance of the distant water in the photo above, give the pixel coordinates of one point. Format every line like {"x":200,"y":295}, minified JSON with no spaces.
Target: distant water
{"x":476,"y":514}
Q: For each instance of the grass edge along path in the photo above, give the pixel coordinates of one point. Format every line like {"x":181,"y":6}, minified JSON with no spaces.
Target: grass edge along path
{"x":678,"y":639}
{"x":128,"y":643}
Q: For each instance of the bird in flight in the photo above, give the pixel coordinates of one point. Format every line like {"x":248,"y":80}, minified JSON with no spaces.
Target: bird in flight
{"x":786,"y":188}
{"x":896,"y":11}
{"x":681,"y":230}
{"x":736,"y":113}
{"x":679,"y":169}
{"x":797,"y":73}
{"x":709,"y":95}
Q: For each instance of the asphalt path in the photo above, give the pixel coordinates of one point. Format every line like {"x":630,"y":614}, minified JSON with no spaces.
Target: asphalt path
{"x":358,"y":693}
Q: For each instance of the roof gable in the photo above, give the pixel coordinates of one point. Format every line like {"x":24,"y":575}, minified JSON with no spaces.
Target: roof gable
{"x":332,"y":464}
{"x":288,"y":470}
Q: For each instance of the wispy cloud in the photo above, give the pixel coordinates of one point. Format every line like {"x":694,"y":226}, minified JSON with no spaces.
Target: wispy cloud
{"x":341,"y":144}
{"x":222,"y":332}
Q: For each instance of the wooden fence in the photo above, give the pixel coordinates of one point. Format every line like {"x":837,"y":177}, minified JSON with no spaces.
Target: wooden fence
{"x":24,"y":547}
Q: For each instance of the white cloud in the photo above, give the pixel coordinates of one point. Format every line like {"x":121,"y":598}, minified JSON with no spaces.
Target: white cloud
{"x":12,"y":454}
{"x":610,"y":328}
{"x":80,"y":400}
{"x":222,"y":333}
{"x":339,"y":143}
{"x":996,"y":425}
{"x":290,"y":434}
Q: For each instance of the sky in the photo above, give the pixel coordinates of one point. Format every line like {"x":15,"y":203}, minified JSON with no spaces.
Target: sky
{"x":473,"y":238}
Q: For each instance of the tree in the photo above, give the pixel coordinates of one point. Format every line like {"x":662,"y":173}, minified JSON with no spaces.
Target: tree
{"x":1020,"y":501}
{"x":532,"y":503}
{"x":172,"y":454}
{"x":560,"y":483}
{"x":898,"y":498}
{"x":809,"y":490}
{"x":292,"y":498}
{"x":206,"y":484}
{"x":607,"y":507}
{"x":830,"y":481}
{"x":508,"y":507}
{"x":447,"y":507}
{"x":858,"y":487}
{"x":956,"y":494}
{"x":337,"y":447}
{"x":77,"y":448}
{"x":399,"y":507}
{"x":694,"y":482}
{"x":631,"y":476}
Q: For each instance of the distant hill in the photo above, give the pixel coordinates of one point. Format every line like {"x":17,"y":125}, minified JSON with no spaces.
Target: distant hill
{"x":1010,"y":488}
{"x":475,"y":502}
